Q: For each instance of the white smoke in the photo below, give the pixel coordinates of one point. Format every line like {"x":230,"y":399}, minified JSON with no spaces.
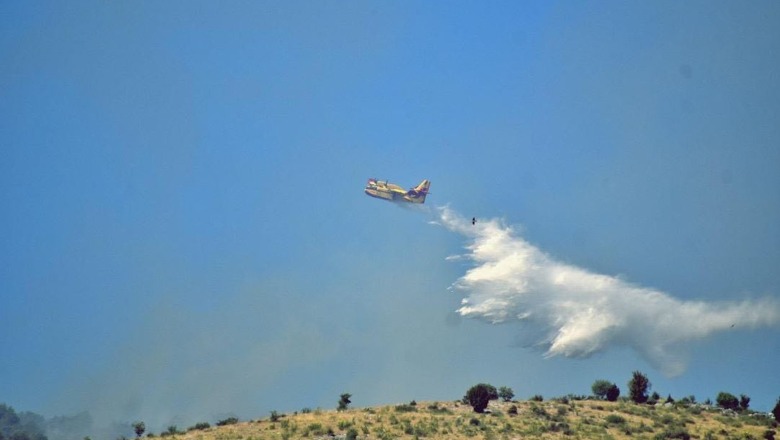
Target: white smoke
{"x":577,"y":313}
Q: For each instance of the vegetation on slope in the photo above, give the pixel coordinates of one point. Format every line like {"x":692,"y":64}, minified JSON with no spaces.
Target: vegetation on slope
{"x":479,"y":414}
{"x":557,"y":418}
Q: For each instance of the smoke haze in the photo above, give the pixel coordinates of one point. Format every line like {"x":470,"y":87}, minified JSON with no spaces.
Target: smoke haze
{"x":575,"y":313}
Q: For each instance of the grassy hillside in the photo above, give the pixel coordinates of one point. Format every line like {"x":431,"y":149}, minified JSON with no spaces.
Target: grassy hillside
{"x":550,"y":419}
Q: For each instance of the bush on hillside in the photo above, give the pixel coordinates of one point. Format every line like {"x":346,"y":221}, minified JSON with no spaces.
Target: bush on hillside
{"x":776,"y":410}
{"x":506,"y":394}
{"x":480,"y":395}
{"x":344,"y":402}
{"x":600,"y":388}
{"x":638,"y":386}
{"x":727,"y":400}
{"x":744,"y":402}
{"x":227,"y":421}
{"x":200,"y":426}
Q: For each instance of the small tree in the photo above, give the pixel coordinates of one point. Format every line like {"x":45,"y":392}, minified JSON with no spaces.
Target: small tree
{"x":344,"y":401}
{"x":506,"y":393}
{"x":480,"y":395}
{"x":776,"y":410}
{"x":139,"y":428}
{"x":638,"y":386}
{"x":744,"y":402}
{"x":600,"y":388}
{"x":654,"y":398}
{"x":613,"y":393}
{"x":727,"y":400}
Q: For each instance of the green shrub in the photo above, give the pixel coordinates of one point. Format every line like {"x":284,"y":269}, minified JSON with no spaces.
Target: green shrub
{"x":644,"y":428}
{"x":600,"y":388}
{"x":506,"y":393}
{"x":436,"y":409}
{"x":344,"y":402}
{"x":613,"y":393}
{"x":638,"y":386}
{"x":559,"y":427}
{"x":727,"y":400}
{"x":408,"y":429}
{"x":744,"y":402}
{"x":674,"y":432}
{"x":172,"y":430}
{"x":479,"y":396}
{"x":614,"y":419}
{"x":200,"y":426}
{"x":405,"y":408}
{"x":315,"y":429}
{"x":231,"y":421}
{"x":539,"y":411}
{"x":383,"y":435}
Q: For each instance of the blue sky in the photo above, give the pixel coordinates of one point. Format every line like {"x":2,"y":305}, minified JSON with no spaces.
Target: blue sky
{"x":184,"y":233}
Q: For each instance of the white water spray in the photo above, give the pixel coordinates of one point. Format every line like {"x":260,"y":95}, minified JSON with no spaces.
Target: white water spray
{"x":577,"y":312}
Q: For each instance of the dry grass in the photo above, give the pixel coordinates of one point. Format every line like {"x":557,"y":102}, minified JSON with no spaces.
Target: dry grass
{"x":547,"y":420}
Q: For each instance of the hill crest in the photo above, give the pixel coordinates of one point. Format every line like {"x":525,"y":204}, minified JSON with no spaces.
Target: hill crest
{"x":559,"y":418}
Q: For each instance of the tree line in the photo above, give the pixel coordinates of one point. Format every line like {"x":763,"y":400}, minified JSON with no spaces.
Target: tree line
{"x":478,"y":396}
{"x":31,"y":426}
{"x":22,"y":426}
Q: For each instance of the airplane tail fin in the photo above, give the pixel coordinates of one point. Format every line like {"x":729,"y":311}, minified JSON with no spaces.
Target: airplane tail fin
{"x":419,"y":192}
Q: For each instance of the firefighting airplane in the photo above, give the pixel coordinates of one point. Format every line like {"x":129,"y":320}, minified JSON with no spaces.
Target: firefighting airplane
{"x":382,"y":189}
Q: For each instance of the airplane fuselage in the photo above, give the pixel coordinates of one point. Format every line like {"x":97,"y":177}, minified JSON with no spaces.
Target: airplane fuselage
{"x":394,"y":193}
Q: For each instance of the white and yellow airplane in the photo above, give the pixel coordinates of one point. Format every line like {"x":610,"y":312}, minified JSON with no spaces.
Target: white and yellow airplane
{"x":382,"y":189}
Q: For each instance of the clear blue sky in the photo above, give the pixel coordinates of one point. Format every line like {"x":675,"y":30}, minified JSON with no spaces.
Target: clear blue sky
{"x":183,"y":231}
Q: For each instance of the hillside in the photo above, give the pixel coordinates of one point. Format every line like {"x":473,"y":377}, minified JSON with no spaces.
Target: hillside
{"x":550,"y":419}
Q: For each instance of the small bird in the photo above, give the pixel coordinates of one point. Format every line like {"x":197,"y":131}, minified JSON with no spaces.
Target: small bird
{"x":473,"y":220}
